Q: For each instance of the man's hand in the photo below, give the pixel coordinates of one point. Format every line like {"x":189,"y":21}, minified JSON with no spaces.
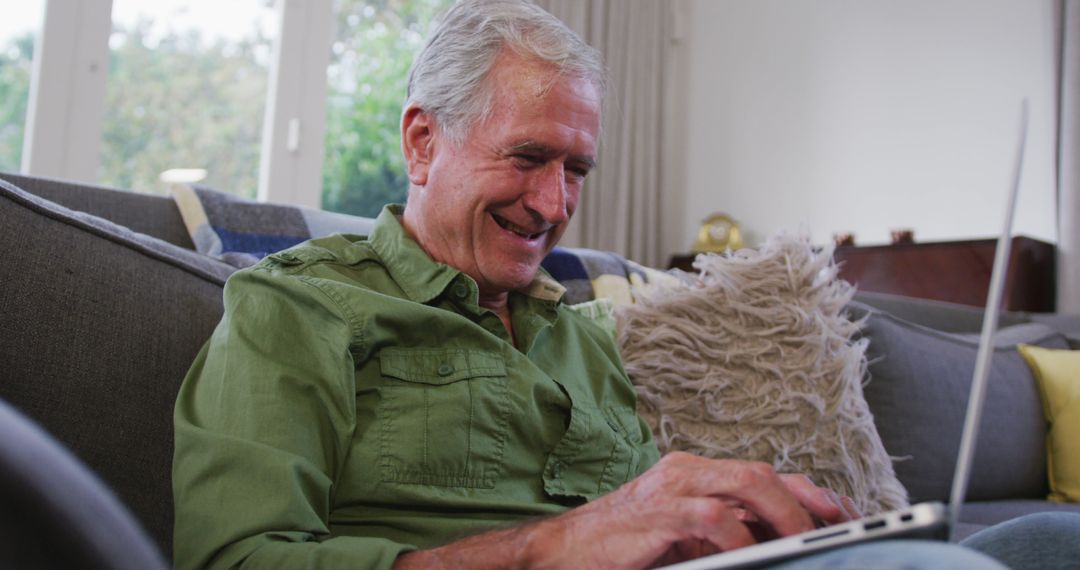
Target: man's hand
{"x":684,"y":507}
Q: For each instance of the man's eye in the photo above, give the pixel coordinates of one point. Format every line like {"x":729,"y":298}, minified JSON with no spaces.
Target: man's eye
{"x":528,"y":159}
{"x":579,"y":173}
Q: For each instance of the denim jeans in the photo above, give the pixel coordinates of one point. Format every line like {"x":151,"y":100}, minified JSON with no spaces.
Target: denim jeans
{"x":1043,"y":541}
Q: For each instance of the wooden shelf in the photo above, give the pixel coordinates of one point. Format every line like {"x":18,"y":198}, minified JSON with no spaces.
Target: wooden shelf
{"x":953,"y":271}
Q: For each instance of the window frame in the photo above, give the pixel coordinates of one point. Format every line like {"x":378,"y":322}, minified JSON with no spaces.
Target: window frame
{"x":67,"y":90}
{"x":64,"y":119}
{"x":293,"y":145}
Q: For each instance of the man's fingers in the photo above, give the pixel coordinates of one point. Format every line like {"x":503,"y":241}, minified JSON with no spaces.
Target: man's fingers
{"x":754,"y":485}
{"x":851,"y":508}
{"x":822,"y":503}
{"x":717,"y":523}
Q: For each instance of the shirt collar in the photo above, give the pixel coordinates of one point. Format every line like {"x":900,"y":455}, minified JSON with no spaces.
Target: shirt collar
{"x":423,"y":278}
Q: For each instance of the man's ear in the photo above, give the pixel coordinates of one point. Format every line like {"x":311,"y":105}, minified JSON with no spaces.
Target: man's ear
{"x":417,"y":143}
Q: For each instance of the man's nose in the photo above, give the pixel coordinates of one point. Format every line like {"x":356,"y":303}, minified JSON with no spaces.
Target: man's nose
{"x":548,"y":198}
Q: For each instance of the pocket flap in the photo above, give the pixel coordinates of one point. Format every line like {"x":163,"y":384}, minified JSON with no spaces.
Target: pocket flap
{"x":440,"y":366}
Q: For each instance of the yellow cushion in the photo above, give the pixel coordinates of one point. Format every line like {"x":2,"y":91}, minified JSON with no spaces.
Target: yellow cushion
{"x":1058,"y":375}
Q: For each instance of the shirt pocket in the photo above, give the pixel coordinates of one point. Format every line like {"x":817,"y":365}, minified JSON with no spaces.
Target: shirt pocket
{"x":600,"y":452}
{"x":442,"y":417}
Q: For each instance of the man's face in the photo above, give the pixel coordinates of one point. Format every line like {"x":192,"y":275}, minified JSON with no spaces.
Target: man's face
{"x":494,"y":206}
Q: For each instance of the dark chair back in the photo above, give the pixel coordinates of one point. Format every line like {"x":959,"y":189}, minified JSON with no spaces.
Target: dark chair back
{"x":55,"y":513}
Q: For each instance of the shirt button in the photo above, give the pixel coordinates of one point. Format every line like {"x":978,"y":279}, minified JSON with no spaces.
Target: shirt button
{"x":445,"y":369}
{"x":461,"y":290}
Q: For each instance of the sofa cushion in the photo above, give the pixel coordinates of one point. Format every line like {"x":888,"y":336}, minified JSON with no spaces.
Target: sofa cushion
{"x":918,"y":390}
{"x":590,"y":274}
{"x":241,"y":232}
{"x":755,"y":361}
{"x":1068,"y":325}
{"x":101,"y":326}
{"x":1057,"y":373}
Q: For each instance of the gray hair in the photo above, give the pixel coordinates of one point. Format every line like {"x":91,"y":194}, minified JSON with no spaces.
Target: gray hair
{"x":448,"y":77}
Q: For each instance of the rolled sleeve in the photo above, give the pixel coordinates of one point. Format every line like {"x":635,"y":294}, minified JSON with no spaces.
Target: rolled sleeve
{"x":263,"y":425}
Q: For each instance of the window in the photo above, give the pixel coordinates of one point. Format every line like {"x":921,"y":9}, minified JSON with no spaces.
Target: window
{"x":186,"y":93}
{"x":18,"y":27}
{"x":373,"y":47}
{"x":187,"y":96}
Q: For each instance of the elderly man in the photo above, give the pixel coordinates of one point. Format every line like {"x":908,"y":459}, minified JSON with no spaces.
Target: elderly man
{"x":420,"y":397}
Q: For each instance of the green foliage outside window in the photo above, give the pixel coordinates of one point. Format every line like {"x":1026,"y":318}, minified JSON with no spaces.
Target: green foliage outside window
{"x":16,"y":61}
{"x":177,"y":101}
{"x":373,"y":49}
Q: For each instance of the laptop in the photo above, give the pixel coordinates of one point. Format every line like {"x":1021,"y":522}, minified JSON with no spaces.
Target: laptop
{"x":931,"y":520}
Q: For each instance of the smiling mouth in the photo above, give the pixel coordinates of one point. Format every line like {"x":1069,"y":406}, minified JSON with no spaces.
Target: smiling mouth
{"x":511,"y":227}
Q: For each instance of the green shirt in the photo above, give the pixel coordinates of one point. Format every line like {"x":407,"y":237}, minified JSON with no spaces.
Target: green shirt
{"x":355,"y":402}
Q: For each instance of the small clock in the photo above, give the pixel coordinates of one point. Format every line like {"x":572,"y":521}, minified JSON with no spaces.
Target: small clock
{"x":718,"y":233}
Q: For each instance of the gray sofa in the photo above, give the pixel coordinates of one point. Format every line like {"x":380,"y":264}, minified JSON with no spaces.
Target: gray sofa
{"x":105,"y":305}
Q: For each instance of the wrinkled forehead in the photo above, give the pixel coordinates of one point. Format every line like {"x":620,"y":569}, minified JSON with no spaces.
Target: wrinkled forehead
{"x":534,"y":87}
{"x":520,"y":80}
{"x":536,"y":74}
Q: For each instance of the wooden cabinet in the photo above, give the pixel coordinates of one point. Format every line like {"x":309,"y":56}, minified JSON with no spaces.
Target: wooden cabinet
{"x":953,"y":271}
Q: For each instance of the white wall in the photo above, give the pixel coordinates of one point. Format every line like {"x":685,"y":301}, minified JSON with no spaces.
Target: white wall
{"x":865,"y":116}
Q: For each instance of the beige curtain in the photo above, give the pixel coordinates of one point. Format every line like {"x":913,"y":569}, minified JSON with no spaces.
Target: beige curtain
{"x":620,"y":207}
{"x":1069,"y":159}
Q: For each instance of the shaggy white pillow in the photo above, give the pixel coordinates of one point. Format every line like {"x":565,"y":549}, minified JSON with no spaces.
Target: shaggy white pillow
{"x":754,"y":359}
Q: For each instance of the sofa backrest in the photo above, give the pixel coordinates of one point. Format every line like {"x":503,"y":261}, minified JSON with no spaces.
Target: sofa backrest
{"x":937,"y":315}
{"x":100,"y":327}
{"x":149,"y":214}
{"x":918,"y":387}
